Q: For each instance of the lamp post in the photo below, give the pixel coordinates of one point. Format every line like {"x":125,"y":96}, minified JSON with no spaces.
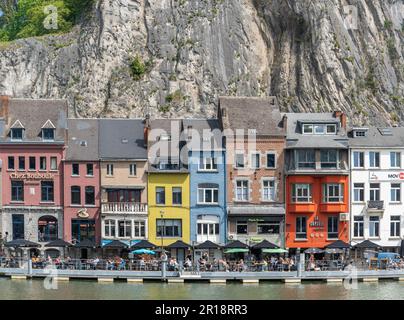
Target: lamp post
{"x":163,"y":254}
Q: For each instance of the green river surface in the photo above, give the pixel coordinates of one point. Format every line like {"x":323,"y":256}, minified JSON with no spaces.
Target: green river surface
{"x":91,"y":290}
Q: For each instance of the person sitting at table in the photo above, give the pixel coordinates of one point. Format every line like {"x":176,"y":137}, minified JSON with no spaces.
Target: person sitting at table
{"x":240,"y":265}
{"x":188,"y":264}
{"x":202,"y":263}
{"x":95,"y":262}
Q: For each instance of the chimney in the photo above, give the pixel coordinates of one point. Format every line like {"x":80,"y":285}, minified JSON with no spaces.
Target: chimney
{"x":342,"y":118}
{"x":285,"y":123}
{"x":146,"y":129}
{"x":4,"y":105}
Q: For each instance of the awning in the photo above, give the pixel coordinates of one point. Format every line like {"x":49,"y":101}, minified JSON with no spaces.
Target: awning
{"x":179,"y":245}
{"x":21,"y":243}
{"x":265,"y":245}
{"x":59,"y":243}
{"x":338,"y":245}
{"x":143,"y":244}
{"x":276,"y":250}
{"x":367,"y":244}
{"x":256,"y":210}
{"x":236,"y":250}
{"x":85,"y":244}
{"x":313,"y":251}
{"x":143,"y":251}
{"x":236,"y":245}
{"x":115,"y":244}
{"x":207,"y":245}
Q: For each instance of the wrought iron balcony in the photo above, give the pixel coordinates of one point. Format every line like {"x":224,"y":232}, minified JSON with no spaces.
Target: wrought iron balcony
{"x":124,"y":208}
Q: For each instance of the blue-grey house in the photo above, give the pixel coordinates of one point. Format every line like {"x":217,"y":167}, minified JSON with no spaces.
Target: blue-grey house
{"x":207,"y":181}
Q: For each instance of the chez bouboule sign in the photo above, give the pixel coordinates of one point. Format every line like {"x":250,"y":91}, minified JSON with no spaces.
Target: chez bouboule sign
{"x":386,"y":176}
{"x":31,"y":175}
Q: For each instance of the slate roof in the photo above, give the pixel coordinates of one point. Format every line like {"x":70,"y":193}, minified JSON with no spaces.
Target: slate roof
{"x":122,"y":139}
{"x":297,"y":140}
{"x":82,"y":142}
{"x":33,"y":114}
{"x":375,"y":139}
{"x":261,"y":114}
{"x":204,"y":128}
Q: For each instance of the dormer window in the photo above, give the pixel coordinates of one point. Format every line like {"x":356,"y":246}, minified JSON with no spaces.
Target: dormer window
{"x":48,"y":134}
{"x":48,"y":131}
{"x":359,"y":132}
{"x":17,"y":131}
{"x":16,"y":134}
{"x":319,"y":129}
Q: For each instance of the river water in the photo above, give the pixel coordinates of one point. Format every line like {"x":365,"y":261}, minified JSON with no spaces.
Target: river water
{"x":35,"y":289}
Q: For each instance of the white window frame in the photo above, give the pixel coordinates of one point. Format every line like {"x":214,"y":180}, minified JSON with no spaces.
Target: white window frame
{"x":242,"y":190}
{"x":329,"y":195}
{"x":395,"y":225}
{"x":266,"y":160}
{"x":299,"y":226}
{"x":204,"y":190}
{"x":12,"y":134}
{"x":306,"y":125}
{"x":373,"y":191}
{"x":109,"y":225}
{"x":355,"y":188}
{"x":374,"y":153}
{"x":110,"y":170}
{"x":43,"y":135}
{"x":300,"y":188}
{"x":53,"y":161}
{"x":127,"y":227}
{"x":236,"y":164}
{"x":358,"y":224}
{"x":273,"y":194}
{"x":204,"y":161}
{"x":333,"y":227}
{"x":139,"y":224}
{"x":397,"y":158}
{"x":329,"y":126}
{"x":361,"y":155}
{"x":316,"y":126}
{"x":132,"y":170}
{"x":253,"y":159}
{"x":372,"y":227}
{"x":395,"y":192}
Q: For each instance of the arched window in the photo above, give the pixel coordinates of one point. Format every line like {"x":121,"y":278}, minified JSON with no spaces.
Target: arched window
{"x":47,"y":229}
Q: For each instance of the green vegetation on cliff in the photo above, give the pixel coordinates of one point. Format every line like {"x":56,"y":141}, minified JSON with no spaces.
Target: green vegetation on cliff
{"x":29,"y":18}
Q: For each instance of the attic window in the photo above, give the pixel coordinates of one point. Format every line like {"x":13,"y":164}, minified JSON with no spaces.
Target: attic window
{"x":16,"y":134}
{"x":48,"y":134}
{"x":125,"y":141}
{"x":360,"y":132}
{"x":386,"y":132}
{"x":83,"y":143}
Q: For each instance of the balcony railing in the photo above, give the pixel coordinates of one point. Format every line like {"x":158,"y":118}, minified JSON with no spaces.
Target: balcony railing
{"x":124,"y":207}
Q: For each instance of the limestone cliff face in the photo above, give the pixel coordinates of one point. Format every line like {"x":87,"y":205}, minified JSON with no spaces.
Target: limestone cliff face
{"x":313,"y":54}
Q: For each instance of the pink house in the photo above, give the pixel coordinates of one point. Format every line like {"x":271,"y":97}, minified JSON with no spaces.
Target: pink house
{"x":82,"y":182}
{"x":32,"y":146}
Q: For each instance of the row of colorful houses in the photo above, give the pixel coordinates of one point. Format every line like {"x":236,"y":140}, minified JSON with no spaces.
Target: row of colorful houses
{"x":298,"y":180}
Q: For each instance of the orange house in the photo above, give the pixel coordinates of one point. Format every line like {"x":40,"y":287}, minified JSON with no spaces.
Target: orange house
{"x":318,"y":214}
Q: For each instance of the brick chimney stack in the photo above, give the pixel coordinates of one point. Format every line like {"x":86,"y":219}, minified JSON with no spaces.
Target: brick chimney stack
{"x":4,"y":106}
{"x":342,"y":118}
{"x":146,"y":129}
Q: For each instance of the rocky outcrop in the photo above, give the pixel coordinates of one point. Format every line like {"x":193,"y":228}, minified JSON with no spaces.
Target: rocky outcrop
{"x":312,"y":54}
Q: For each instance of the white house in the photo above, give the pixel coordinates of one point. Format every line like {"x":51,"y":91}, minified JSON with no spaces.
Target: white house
{"x":377,"y":178}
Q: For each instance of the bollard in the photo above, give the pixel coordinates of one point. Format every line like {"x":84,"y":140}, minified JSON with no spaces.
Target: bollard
{"x":164,"y":259}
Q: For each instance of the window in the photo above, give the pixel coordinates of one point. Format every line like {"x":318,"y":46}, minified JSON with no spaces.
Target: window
{"x":301,"y":193}
{"x":177,"y":196}
{"x":42,"y":163}
{"x":53,"y":163}
{"x":242,"y":227}
{"x":139,"y":229}
{"x":17,"y":191}
{"x":48,"y":134}
{"x":47,"y":229}
{"x":360,"y":133}
{"x":18,"y":226}
{"x":160,"y":195}
{"x":83,"y":229}
{"x":359,"y":192}
{"x":374,"y":225}
{"x":240,"y":160}
{"x":374,"y":159}
{"x":268,"y":228}
{"x":90,"y":195}
{"x":16,"y":134}
{"x":268,"y":190}
{"x":255,"y":160}
{"x":358,"y":227}
{"x":332,"y":228}
{"x":319,"y":129}
{"x":90,"y":169}
{"x":47,"y":191}
{"x":110,"y":169}
{"x":242,"y":190}
{"x":11,"y":164}
{"x":76,"y":195}
{"x":32,"y":163}
{"x":395,"y":226}
{"x":125,"y":229}
{"x":124,"y":195}
{"x":395,"y":192}
{"x":333,"y":193}
{"x":306,"y":159}
{"x":75,"y":169}
{"x":301,"y":227}
{"x":358,"y":159}
{"x":109,"y":228}
{"x":331,"y":129}
{"x":169,"y":228}
{"x":21,"y":163}
{"x":132,"y":169}
{"x":395,"y":159}
{"x":307,"y":129}
{"x":208,"y":195}
{"x":208,"y":229}
{"x":271,"y":160}
{"x":207,"y":163}
{"x":375,"y":192}
{"x":329,"y":159}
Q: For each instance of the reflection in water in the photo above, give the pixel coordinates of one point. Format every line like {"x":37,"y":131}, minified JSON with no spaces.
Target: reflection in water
{"x":21,"y":289}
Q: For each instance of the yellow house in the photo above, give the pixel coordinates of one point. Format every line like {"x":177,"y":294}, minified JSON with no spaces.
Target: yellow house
{"x":169,"y":209}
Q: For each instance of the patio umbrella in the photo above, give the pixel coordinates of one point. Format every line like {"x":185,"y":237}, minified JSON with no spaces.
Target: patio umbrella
{"x":236,"y":245}
{"x":143,"y":251}
{"x":275,"y":250}
{"x":236,"y":250}
{"x":334,"y":250}
{"x":313,"y":251}
{"x":21,"y":243}
{"x":144,"y":244}
{"x":338,"y":245}
{"x":115,"y":244}
{"x":207,"y":245}
{"x":59,"y":243}
{"x":179,"y":245}
{"x":367,"y":245}
{"x":265,"y":245}
{"x":85,"y":244}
